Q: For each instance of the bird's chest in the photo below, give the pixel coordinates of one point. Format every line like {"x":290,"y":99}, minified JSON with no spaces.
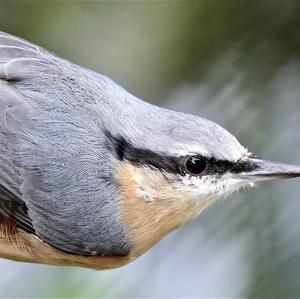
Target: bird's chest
{"x":151,"y":208}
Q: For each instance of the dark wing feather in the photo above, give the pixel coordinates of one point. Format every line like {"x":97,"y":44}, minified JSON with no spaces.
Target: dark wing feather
{"x":15,"y":209}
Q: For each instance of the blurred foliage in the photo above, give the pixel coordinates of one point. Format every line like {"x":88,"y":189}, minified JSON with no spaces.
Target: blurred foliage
{"x":166,"y":41}
{"x":236,"y":62}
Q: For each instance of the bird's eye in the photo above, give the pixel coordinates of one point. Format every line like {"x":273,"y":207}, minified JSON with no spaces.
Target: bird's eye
{"x":195,"y":165}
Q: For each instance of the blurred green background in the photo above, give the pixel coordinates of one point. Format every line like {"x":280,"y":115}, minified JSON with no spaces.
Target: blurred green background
{"x":235,"y":62}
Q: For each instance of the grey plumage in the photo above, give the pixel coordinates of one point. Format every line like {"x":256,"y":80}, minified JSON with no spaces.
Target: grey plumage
{"x":52,"y":153}
{"x":55,"y":162}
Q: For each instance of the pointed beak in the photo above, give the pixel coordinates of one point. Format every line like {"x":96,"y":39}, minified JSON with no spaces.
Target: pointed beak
{"x":267,"y":170}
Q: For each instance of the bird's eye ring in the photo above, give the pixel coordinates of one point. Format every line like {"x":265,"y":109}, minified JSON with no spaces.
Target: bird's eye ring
{"x":195,"y":165}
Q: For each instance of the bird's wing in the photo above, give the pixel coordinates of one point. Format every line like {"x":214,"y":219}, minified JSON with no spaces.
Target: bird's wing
{"x":54,"y":176}
{"x":25,"y":72}
{"x":19,"y":60}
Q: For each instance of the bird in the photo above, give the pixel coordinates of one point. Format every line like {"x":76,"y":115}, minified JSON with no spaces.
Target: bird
{"x":92,"y":176}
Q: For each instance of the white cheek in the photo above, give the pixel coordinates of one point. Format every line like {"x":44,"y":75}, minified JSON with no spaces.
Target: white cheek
{"x":207,"y":186}
{"x":203,"y":186}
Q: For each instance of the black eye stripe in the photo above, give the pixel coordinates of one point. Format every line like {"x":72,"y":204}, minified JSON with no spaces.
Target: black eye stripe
{"x":222,"y":166}
{"x":141,"y":157}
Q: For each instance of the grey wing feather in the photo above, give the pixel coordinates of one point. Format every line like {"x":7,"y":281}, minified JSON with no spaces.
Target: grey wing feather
{"x":18,"y":60}
{"x":54,"y":176}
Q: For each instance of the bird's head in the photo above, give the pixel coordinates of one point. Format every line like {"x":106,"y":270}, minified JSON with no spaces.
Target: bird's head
{"x":179,"y":166}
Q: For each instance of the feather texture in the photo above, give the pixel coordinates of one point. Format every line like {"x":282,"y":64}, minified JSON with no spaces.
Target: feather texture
{"x":52,"y":179}
{"x":58,"y":172}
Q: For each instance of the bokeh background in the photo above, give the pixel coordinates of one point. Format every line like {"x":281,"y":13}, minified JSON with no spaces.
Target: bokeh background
{"x":235,"y":62}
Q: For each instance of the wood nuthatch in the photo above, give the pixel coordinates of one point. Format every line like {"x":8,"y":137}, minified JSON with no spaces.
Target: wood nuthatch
{"x":91,"y":175}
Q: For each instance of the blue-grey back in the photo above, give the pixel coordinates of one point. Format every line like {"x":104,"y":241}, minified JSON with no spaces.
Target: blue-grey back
{"x":52,"y":150}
